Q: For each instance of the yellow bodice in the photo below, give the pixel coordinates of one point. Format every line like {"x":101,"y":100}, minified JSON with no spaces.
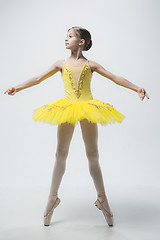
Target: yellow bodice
{"x":77,"y":80}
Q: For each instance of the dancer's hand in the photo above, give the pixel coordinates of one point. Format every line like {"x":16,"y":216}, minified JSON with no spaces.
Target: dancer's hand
{"x":11,"y":91}
{"x":142,"y":93}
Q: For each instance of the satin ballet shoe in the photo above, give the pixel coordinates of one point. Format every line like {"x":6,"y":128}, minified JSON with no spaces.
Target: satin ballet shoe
{"x":47,"y":217}
{"x":108,"y":215}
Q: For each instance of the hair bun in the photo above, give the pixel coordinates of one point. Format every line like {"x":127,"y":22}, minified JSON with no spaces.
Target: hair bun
{"x":89,"y":45}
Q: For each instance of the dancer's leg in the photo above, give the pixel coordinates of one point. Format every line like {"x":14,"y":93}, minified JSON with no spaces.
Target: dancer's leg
{"x":64,"y":136}
{"x":90,"y":137}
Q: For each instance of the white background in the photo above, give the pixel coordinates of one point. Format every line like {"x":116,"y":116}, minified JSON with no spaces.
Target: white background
{"x":125,"y":36}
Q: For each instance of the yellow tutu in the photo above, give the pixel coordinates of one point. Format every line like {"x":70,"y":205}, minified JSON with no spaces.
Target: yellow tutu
{"x":62,"y":110}
{"x":78,"y":103}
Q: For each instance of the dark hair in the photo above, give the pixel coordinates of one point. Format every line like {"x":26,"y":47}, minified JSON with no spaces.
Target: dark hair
{"x":83,"y":33}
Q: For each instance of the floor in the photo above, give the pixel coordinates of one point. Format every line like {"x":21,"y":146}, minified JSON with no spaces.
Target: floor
{"x":136,"y":214}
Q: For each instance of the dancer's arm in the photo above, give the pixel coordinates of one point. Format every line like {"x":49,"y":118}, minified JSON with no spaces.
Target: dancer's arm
{"x":35,"y":80}
{"x":119,"y":80}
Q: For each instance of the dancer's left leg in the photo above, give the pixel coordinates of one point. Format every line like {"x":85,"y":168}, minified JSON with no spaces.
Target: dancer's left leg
{"x":90,"y":137}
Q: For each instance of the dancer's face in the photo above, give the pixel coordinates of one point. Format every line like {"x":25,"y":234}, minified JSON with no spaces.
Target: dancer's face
{"x":72,"y":41}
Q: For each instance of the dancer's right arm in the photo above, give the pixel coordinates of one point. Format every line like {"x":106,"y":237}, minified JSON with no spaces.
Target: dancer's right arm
{"x":35,"y":80}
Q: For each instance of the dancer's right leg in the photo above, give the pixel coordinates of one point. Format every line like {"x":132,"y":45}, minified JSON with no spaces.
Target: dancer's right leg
{"x":64,"y":136}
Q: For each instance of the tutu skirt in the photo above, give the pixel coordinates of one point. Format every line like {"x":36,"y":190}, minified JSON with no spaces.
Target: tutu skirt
{"x":62,"y":110}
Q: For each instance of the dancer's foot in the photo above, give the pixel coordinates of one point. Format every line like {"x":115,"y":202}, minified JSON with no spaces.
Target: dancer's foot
{"x":103,"y":199}
{"x":53,"y":202}
{"x":102,"y":204}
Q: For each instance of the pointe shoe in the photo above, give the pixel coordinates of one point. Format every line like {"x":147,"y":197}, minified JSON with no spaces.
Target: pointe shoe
{"x":108,"y":215}
{"x":47,"y":217}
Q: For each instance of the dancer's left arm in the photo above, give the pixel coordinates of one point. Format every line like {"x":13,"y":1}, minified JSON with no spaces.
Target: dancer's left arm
{"x":119,"y":80}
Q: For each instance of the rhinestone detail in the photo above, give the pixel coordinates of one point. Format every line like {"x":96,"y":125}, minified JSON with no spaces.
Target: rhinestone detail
{"x":77,"y":92}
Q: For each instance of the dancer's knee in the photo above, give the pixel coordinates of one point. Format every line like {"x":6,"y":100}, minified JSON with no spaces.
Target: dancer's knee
{"x":92,"y":154}
{"x":93,"y":160}
{"x":61,"y":153}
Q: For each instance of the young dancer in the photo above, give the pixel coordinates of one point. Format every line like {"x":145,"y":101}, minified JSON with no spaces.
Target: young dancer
{"x":77,"y":105}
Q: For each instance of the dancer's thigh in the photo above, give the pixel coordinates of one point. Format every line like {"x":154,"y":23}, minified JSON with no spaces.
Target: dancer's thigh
{"x":90,"y":135}
{"x":64,"y":136}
